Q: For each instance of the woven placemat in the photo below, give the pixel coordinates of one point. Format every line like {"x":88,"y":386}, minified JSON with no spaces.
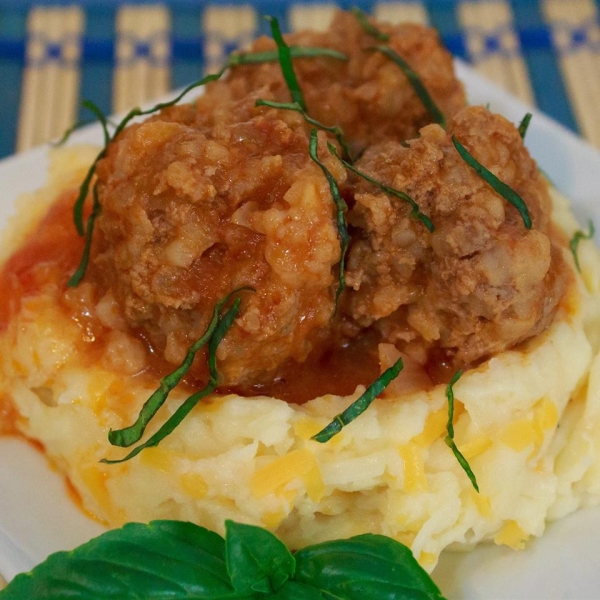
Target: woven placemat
{"x":546,"y":52}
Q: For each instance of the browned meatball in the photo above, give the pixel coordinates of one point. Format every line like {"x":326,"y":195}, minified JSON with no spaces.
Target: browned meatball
{"x":368,"y":95}
{"x":197,"y":204}
{"x":481,"y":282}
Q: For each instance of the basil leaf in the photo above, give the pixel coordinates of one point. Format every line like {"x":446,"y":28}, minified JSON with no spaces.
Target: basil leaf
{"x":294,"y":590}
{"x":365,"y":567}
{"x":173,"y":560}
{"x":165,"y":559}
{"x":257,"y":561}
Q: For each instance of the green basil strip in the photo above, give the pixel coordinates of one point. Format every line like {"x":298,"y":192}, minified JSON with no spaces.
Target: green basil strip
{"x":359,"y":406}
{"x":498,"y":186}
{"x":100,"y":116}
{"x":83,"y":192}
{"x":450,"y":398}
{"x":577,"y":237}
{"x":341,"y":209}
{"x":265,"y":56}
{"x":76,"y":278}
{"x":67,"y":134}
{"x":462,"y":461}
{"x":138,"y":112}
{"x":415,"y":82}
{"x":416,"y":211}
{"x":190,"y":403}
{"x":246,"y":58}
{"x":132,"y":434}
{"x":334,"y":129}
{"x":287,"y":68}
{"x":135,"y":112}
{"x":368,"y":27}
{"x":524,"y":125}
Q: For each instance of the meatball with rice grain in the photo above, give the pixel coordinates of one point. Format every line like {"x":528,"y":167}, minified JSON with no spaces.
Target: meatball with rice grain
{"x":193,"y":209}
{"x":481,"y":282}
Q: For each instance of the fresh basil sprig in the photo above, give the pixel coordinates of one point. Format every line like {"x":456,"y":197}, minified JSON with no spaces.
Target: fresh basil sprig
{"x":496,"y":184}
{"x":177,"y":560}
{"x":577,"y":237}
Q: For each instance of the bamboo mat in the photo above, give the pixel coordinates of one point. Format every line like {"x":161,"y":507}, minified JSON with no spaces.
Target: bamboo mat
{"x":53,"y":56}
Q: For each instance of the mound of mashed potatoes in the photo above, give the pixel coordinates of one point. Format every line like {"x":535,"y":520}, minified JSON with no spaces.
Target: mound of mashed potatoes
{"x":204,"y":198}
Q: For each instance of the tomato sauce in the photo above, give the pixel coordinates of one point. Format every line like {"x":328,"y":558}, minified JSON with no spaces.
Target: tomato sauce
{"x":336,"y":370}
{"x":50,"y":255}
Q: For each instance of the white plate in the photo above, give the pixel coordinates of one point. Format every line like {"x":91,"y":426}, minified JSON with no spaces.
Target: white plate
{"x":37,"y":517}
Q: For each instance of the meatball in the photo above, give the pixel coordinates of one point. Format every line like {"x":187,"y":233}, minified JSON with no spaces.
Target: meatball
{"x":481,"y":282}
{"x":196,"y":204}
{"x":368,"y":95}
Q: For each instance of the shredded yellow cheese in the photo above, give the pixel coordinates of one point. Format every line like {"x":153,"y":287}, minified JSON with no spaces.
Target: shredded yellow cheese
{"x":414,"y":468}
{"x":272,"y":478}
{"x":511,"y":535}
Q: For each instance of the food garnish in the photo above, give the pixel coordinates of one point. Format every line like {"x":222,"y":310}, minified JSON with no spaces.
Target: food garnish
{"x":577,"y":237}
{"x":215,"y":332}
{"x":359,"y":406}
{"x":416,"y":211}
{"x":524,"y":125}
{"x":334,"y":129}
{"x":449,"y":439}
{"x":341,"y":209}
{"x":235,"y":59}
{"x":498,"y":186}
{"x":287,"y":68}
{"x":79,"y":273}
{"x":368,"y":27}
{"x":415,"y":81}
{"x":289,"y":75}
{"x":278,"y":471}
{"x":178,"y":560}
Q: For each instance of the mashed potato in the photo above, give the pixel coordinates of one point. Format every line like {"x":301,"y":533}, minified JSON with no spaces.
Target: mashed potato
{"x":527,"y":420}
{"x":204,"y":198}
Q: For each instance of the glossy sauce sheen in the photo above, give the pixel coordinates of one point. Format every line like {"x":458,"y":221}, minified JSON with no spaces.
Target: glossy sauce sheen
{"x":337,"y":370}
{"x":51,"y":254}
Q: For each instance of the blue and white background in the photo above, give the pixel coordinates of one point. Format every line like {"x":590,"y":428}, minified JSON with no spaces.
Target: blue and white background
{"x":55,"y":54}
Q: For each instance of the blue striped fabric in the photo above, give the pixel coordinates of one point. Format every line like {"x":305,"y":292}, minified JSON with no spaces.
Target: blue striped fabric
{"x":188,"y":39}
